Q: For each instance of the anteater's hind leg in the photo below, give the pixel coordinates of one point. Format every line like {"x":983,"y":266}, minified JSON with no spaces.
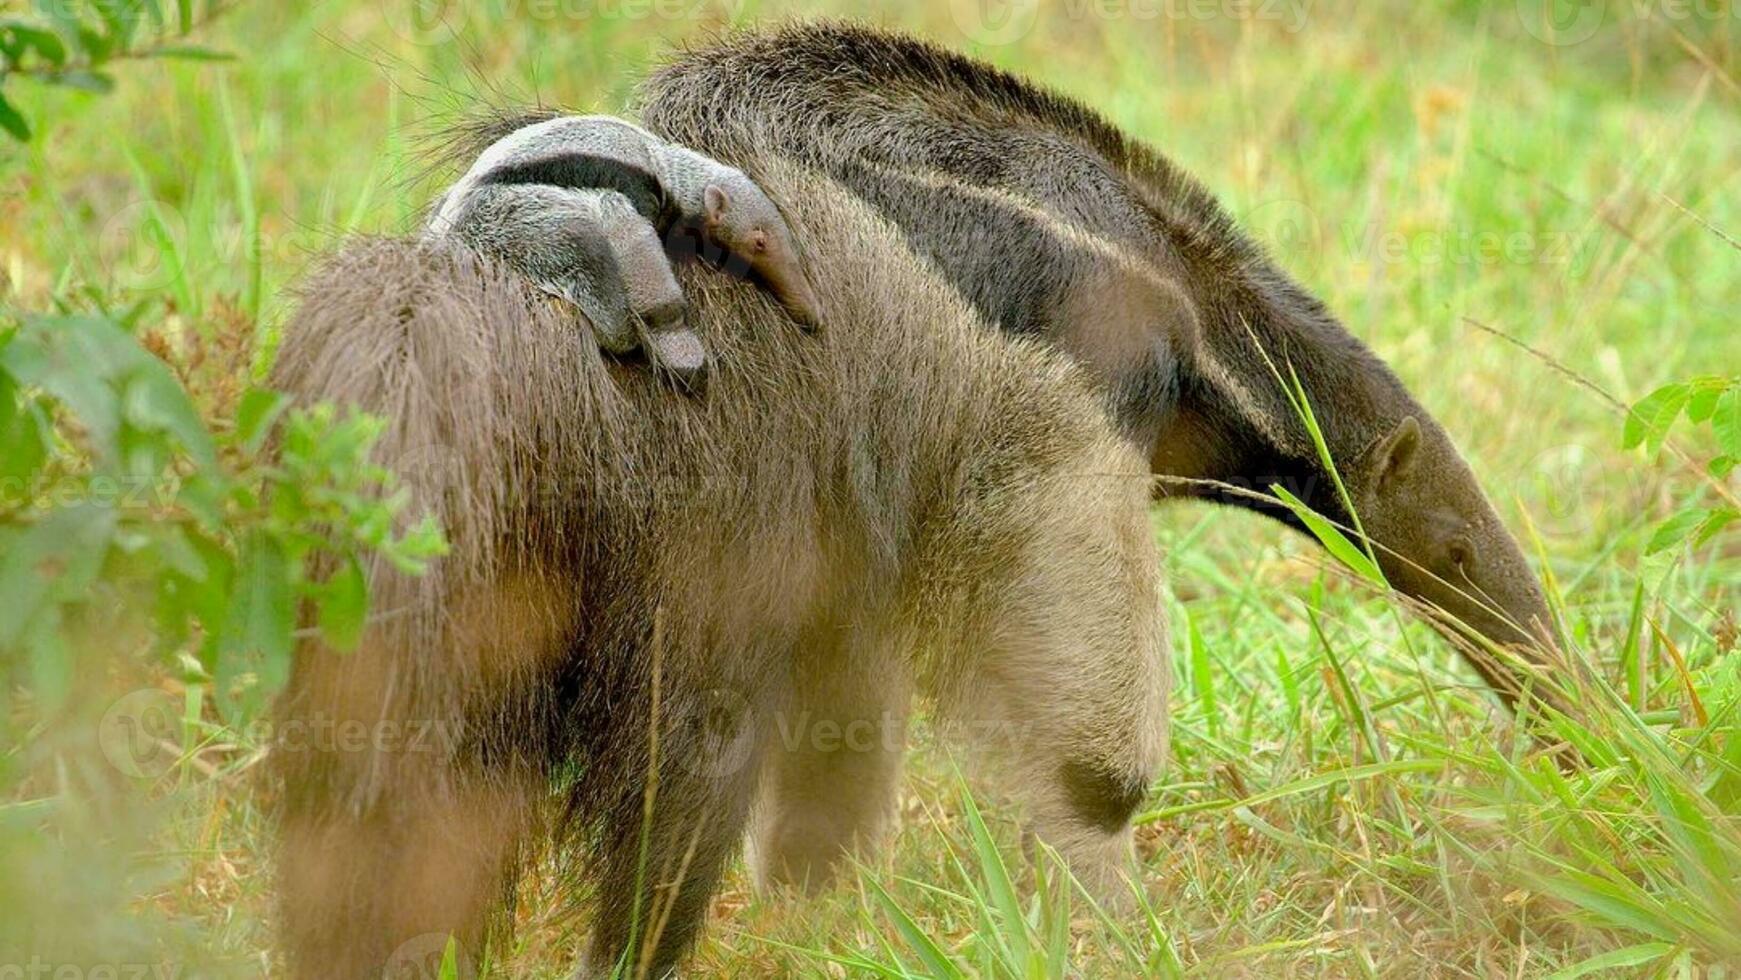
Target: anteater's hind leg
{"x":411,"y":772}
{"x":1062,"y":678}
{"x":833,"y":756}
{"x":674,"y":819}
{"x":384,"y":892}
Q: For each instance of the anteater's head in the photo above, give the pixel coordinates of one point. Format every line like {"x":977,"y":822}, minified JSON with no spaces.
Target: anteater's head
{"x":1441,"y":544}
{"x":743,"y":221}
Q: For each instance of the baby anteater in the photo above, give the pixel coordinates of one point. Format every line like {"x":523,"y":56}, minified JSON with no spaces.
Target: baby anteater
{"x":697,"y":204}
{"x":668,"y":608}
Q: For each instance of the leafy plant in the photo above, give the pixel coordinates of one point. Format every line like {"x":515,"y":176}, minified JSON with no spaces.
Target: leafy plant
{"x":72,"y":43}
{"x":1710,"y":401}
{"x":119,"y":504}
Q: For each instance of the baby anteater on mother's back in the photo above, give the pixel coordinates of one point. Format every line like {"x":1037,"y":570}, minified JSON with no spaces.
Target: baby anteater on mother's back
{"x":668,"y":607}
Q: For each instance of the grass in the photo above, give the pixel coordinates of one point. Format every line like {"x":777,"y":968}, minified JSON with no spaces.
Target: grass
{"x":1344,"y":800}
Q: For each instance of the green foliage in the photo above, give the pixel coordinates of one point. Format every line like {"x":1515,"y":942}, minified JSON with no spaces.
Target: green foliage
{"x":1711,"y":402}
{"x":1270,"y":845}
{"x":1332,"y":538}
{"x":117,"y":495}
{"x":72,"y":43}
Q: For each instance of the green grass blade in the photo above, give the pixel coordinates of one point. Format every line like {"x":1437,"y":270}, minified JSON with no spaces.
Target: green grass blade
{"x":937,"y":962}
{"x":1333,"y":540}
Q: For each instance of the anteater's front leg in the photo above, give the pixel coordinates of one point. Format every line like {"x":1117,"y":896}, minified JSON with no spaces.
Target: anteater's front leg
{"x":833,"y":755}
{"x":1061,"y":674}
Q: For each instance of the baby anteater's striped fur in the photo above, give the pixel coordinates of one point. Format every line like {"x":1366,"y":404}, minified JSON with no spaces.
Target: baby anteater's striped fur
{"x":668,"y":608}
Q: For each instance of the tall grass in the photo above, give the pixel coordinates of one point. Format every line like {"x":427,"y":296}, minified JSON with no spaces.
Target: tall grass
{"x":1344,"y":799}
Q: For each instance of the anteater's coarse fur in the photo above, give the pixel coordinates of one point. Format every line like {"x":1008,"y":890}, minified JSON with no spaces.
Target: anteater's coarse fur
{"x":1054,"y":224}
{"x":659,"y":608}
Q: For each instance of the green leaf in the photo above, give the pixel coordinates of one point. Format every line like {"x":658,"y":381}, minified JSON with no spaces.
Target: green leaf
{"x":1631,"y":664}
{"x":179,"y":554}
{"x":58,"y":556}
{"x":72,"y":359}
{"x":1011,"y":928}
{"x":12,"y":122}
{"x":121,"y":17}
{"x":1202,"y":676}
{"x":154,"y":10}
{"x":423,"y":541}
{"x":96,"y":45}
{"x":259,"y":409}
{"x":1726,"y":422}
{"x":99,"y":371}
{"x":344,"y":606}
{"x":85,"y":81}
{"x":259,"y":628}
{"x":1619,"y":904}
{"x":1648,"y":422}
{"x":1703,"y":401}
{"x":1721,"y":467}
{"x":191,"y":52}
{"x":157,"y":402}
{"x":1331,"y":537}
{"x":1619,"y":959}
{"x":1675,"y":530}
{"x":937,"y":963}
{"x":46,"y":44}
{"x":1720,"y":518}
{"x":24,"y":439}
{"x":1290,"y":682}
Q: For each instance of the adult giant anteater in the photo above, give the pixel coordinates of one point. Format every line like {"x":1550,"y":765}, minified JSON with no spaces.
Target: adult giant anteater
{"x":1055,"y":225}
{"x":665,"y":607}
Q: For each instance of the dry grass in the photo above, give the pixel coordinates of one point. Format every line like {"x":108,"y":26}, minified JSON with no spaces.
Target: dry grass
{"x":1420,"y":165}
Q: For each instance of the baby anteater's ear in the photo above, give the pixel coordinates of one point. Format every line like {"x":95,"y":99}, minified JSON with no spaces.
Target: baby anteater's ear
{"x":1393,"y":458}
{"x":716,"y":202}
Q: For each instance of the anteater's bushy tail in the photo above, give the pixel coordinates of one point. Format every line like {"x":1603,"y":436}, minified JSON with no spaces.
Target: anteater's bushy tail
{"x":410,"y":770}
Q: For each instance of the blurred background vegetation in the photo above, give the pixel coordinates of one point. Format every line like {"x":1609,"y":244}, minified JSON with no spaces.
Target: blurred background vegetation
{"x":1344,"y":799}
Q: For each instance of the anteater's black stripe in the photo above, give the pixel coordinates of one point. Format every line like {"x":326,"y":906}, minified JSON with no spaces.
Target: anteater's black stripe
{"x":586,"y":171}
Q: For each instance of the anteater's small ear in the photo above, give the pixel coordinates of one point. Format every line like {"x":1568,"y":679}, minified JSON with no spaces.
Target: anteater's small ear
{"x":1394,"y":456}
{"x":715,"y":200}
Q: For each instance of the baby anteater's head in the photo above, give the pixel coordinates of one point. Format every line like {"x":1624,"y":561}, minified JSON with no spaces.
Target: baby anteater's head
{"x":740,"y":219}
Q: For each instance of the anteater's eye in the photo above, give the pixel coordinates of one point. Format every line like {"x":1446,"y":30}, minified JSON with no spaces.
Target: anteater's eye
{"x":1462,"y":557}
